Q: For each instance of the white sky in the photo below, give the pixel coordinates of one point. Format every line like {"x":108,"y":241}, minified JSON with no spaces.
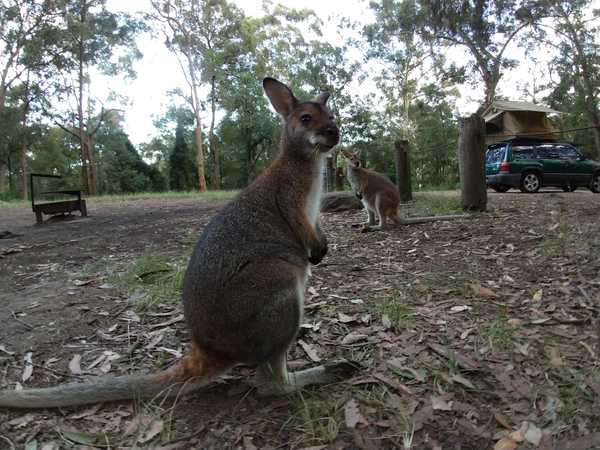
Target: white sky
{"x":158,"y":70}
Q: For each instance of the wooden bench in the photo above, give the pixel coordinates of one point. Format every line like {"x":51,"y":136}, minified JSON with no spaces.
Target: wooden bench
{"x":56,"y":207}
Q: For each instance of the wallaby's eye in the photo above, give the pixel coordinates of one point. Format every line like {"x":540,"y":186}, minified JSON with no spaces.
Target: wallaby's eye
{"x":305,"y":118}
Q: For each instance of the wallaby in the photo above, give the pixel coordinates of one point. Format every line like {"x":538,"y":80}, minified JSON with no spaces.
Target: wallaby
{"x":243,"y":291}
{"x":379,"y":196}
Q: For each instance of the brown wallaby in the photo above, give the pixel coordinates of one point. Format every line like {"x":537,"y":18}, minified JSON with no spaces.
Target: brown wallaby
{"x":379,"y":196}
{"x":244,"y":287}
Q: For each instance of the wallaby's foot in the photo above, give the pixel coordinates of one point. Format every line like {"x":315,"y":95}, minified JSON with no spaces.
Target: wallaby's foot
{"x":328,"y":373}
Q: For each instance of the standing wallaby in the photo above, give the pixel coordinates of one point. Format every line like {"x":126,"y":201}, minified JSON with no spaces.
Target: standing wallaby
{"x":244,"y":287}
{"x":379,"y":196}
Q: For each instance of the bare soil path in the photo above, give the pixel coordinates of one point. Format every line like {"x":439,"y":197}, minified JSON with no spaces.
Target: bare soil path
{"x":472,"y":333}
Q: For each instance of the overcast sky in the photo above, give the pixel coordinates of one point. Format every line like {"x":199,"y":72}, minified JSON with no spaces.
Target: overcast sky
{"x":158,"y":71}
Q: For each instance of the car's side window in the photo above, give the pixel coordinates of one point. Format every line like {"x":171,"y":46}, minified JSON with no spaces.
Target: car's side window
{"x":522,"y":152}
{"x":568,"y":152}
{"x":548,"y":151}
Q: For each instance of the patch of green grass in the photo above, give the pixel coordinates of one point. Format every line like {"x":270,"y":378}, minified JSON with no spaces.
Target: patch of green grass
{"x":208,"y":195}
{"x":396,"y":309}
{"x":116,"y":198}
{"x":499,"y":333}
{"x":317,"y":415}
{"x":576,"y":397}
{"x":149,"y":280}
{"x":435,"y":203}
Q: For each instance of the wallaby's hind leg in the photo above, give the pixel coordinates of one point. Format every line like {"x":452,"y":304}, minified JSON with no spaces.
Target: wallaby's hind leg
{"x":381,"y":215}
{"x":370,"y":218}
{"x":273,"y":378}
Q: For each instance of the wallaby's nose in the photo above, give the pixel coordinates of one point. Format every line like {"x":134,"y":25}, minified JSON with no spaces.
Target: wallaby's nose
{"x":332,"y":131}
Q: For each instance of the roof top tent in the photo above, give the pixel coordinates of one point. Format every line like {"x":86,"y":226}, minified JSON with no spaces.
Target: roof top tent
{"x":506,"y":120}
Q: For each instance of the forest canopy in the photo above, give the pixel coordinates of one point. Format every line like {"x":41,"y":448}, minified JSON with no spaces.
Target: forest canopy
{"x":396,"y":74}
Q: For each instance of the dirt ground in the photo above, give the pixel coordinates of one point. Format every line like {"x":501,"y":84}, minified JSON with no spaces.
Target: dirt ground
{"x":478,"y":333}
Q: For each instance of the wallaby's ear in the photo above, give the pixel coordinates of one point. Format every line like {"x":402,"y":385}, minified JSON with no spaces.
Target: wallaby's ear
{"x":280,"y":95}
{"x":322,"y":98}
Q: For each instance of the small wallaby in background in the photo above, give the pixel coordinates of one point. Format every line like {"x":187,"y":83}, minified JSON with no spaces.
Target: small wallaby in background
{"x":379,"y":196}
{"x":243,"y":292}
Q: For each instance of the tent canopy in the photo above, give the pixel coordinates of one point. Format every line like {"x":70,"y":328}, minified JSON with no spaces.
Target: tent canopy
{"x":510,"y":119}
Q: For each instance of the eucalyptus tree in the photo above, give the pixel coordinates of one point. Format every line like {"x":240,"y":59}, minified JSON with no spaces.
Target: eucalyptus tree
{"x":484,"y":28}
{"x":22,"y":50}
{"x":88,"y":38}
{"x":203,"y":34}
{"x":572,"y":29}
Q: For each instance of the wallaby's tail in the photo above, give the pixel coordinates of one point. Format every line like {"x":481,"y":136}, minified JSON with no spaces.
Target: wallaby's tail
{"x":414,"y":220}
{"x":192,"y":372}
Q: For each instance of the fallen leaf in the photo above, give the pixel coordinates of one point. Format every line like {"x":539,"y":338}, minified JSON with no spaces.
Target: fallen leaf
{"x":533,"y":435}
{"x":79,"y":438}
{"x":21,"y":422}
{"x":538,"y":295}
{"x":3,"y":350}
{"x":31,"y":445}
{"x":555,"y":359}
{"x":87,"y":412}
{"x":179,"y":318}
{"x":156,"y":427}
{"x":353,"y":337}
{"x":462,"y":380}
{"x":352,"y":414}
{"x":345,"y":318}
{"x":310,"y":351}
{"x":459,"y":308}
{"x":28,"y":370}
{"x":505,"y":443}
{"x":385,"y":320}
{"x":438,"y":403}
{"x":75,"y":365}
{"x":83,"y":282}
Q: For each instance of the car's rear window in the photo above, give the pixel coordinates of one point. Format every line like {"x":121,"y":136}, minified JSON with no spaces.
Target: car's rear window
{"x":521,"y":152}
{"x":495,"y":154}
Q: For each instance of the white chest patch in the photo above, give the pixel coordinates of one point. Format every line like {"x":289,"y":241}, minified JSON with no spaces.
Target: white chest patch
{"x":313,"y":201}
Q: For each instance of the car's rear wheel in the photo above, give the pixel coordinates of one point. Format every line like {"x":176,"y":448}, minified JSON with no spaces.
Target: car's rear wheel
{"x":501,"y":188}
{"x":530,"y":182}
{"x":595,"y":186}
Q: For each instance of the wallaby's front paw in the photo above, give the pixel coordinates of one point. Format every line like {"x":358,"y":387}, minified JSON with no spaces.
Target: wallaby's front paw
{"x":317,"y":255}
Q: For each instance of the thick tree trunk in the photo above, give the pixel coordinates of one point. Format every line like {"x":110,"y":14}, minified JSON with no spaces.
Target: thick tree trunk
{"x":471,"y":163}
{"x":402,"y":161}
{"x":3,"y":177}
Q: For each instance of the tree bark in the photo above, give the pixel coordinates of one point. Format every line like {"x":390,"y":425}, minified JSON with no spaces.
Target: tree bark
{"x":471,"y":163}
{"x":402,"y":161}
{"x":24,"y":180}
{"x":214,"y":145}
{"x":3,"y":177}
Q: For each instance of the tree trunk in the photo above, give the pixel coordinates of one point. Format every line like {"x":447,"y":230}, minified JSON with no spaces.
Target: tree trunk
{"x":3,"y":177}
{"x":214,"y":145}
{"x":199,"y":155}
{"x":402,"y":161}
{"x":471,"y":163}
{"x":24,"y":177}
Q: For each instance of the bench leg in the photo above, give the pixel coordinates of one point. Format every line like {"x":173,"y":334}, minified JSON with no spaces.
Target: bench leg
{"x":38,"y":217}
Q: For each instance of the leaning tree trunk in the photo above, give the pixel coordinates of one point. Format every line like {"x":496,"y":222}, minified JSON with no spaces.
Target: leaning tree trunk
{"x":471,"y":163}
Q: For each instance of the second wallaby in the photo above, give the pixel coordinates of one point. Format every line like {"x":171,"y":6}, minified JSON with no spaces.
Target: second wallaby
{"x":379,"y":196}
{"x":244,"y":287}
